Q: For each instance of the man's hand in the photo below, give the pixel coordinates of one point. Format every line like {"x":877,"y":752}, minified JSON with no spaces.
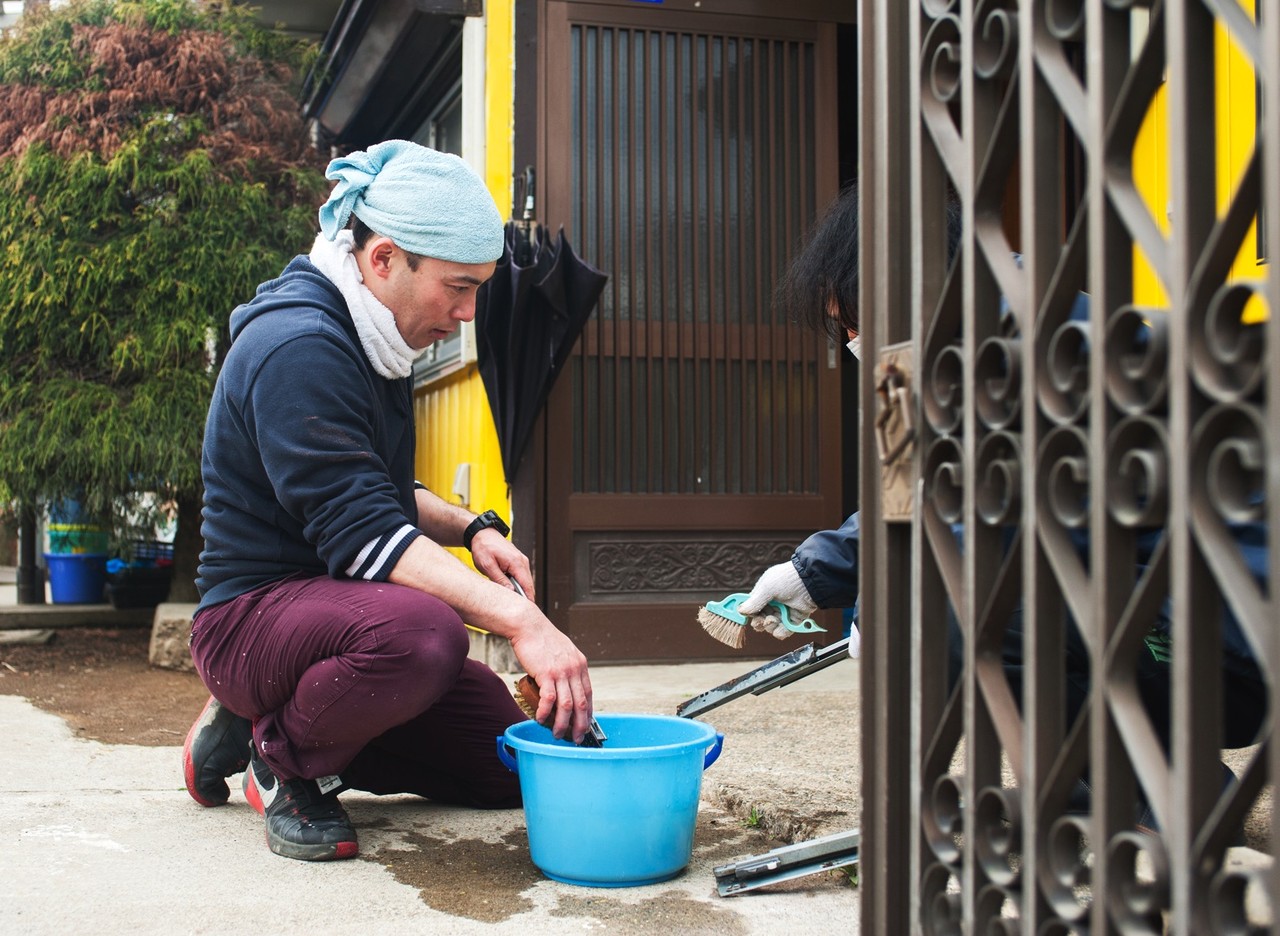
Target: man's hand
{"x":574,"y":693}
{"x":779,"y":583}
{"x":499,"y":560}
{"x":551,"y":659}
{"x":560,"y":670}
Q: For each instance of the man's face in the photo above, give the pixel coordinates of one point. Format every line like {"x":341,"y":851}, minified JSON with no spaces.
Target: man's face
{"x":428,"y":303}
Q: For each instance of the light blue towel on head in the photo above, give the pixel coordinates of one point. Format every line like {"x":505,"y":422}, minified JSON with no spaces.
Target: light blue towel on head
{"x":429,"y":203}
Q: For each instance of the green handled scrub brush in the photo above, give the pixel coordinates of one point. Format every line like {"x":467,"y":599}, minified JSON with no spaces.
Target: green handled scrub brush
{"x":723,"y":621}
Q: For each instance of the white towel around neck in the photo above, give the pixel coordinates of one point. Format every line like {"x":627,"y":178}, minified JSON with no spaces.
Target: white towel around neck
{"x":386,"y":349}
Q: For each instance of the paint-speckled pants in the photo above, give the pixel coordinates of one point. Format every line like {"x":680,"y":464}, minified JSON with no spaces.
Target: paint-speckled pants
{"x":367,"y":680}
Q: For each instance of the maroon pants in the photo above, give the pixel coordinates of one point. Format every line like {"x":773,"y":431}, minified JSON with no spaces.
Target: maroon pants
{"x":367,"y":680}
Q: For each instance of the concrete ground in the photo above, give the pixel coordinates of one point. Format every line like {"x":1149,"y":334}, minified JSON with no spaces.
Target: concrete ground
{"x":104,"y":838}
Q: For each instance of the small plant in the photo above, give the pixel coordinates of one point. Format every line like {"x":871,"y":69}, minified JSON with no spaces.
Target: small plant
{"x":754,"y":818}
{"x":850,"y":873}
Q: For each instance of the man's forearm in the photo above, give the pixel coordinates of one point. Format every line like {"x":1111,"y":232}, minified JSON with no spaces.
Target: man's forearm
{"x":478,"y":601}
{"x":440,"y":520}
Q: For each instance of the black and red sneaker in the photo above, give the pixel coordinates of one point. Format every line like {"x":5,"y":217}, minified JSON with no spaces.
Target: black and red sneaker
{"x":304,"y":818}
{"x":217,"y":747}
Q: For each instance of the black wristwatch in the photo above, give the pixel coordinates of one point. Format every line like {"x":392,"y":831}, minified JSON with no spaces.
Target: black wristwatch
{"x":486,"y":521}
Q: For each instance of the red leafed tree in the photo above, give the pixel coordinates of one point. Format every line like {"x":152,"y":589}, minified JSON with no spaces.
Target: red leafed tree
{"x":154,"y":168}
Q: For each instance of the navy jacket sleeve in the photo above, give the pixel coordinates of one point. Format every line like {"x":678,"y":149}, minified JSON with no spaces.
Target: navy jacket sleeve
{"x":828,"y":565}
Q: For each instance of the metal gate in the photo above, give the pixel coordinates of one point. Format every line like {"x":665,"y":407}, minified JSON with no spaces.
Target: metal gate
{"x":1064,"y":622}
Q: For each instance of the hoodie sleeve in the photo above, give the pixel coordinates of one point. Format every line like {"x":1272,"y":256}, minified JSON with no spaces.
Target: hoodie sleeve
{"x":828,"y":565}
{"x":312,"y":410}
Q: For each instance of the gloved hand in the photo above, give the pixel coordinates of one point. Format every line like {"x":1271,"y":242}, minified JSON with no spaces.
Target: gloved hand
{"x":779,"y":583}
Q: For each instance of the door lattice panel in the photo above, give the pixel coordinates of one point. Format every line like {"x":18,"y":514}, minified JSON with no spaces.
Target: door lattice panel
{"x":693,"y":181}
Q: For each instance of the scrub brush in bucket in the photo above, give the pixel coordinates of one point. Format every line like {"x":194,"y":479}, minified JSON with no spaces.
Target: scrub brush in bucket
{"x":723,"y":621}
{"x":527,"y":698}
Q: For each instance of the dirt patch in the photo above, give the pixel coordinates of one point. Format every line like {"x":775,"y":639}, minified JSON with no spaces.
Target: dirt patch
{"x":490,"y":880}
{"x":465,"y":877}
{"x":101,"y":683}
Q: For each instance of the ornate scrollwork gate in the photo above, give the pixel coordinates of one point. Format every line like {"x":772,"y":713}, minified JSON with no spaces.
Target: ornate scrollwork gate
{"x":1093,"y":462}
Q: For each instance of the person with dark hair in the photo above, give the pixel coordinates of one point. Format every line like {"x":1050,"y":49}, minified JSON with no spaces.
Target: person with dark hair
{"x":330,"y":627}
{"x":820,"y":290}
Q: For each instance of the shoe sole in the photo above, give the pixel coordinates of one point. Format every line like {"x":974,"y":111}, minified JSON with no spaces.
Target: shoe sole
{"x":334,"y":851}
{"x":188,"y":765}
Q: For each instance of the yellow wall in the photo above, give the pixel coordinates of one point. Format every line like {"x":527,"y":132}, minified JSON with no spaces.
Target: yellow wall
{"x":452,"y":415}
{"x":499,"y":94}
{"x":1235,"y":133}
{"x":455,"y":427}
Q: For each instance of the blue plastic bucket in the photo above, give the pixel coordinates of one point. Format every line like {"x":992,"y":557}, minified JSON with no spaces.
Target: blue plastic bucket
{"x":617,"y":816}
{"x":79,"y":538}
{"x":76,"y":578}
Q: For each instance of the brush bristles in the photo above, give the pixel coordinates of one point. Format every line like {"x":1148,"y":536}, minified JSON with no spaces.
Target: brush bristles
{"x":529,"y":711}
{"x":730,"y":633}
{"x":526,"y":696}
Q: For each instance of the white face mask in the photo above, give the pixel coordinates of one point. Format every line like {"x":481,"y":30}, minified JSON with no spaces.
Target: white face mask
{"x":855,"y":347}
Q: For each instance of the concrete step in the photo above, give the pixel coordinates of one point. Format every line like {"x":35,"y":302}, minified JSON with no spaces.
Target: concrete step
{"x":33,"y":617}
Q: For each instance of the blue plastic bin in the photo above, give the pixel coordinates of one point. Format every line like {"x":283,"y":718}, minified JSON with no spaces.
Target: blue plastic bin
{"x":71,"y":530}
{"x":617,"y":816}
{"x":76,"y":578}
{"x":80,"y":538}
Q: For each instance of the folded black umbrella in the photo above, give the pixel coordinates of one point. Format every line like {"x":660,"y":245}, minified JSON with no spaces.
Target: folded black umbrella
{"x":528,"y":318}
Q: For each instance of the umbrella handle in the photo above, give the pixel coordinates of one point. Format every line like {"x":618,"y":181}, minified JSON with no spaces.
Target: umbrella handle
{"x":528,"y":193}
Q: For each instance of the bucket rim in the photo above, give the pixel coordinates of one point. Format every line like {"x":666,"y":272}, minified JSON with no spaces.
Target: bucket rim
{"x":610,"y":751}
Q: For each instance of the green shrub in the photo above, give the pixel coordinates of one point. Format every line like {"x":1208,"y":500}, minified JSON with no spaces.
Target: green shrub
{"x":154,"y":168}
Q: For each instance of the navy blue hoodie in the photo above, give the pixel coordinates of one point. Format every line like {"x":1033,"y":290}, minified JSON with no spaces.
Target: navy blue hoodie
{"x":308,"y":459}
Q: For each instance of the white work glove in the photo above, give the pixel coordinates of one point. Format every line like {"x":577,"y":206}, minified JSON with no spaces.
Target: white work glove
{"x":779,"y":583}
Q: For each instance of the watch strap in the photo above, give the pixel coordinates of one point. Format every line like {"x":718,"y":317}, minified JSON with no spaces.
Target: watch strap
{"x":487,"y":520}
